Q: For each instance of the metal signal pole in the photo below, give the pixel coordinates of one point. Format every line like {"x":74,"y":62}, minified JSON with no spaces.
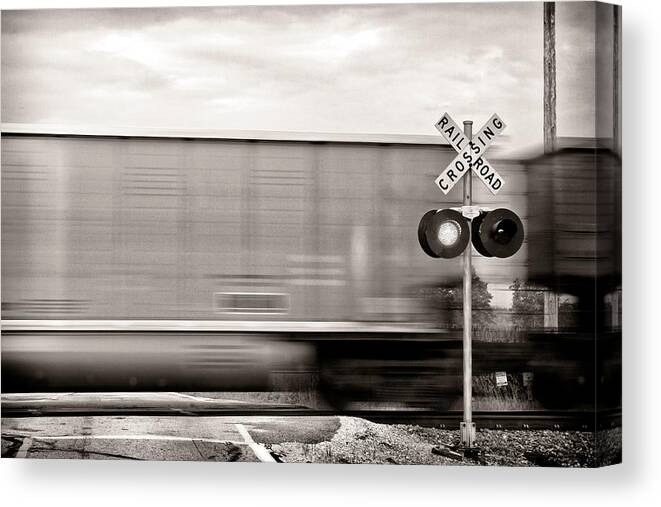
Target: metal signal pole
{"x":551,"y":298}
{"x":467,"y":427}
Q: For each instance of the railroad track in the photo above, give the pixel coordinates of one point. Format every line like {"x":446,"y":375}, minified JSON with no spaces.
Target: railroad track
{"x":510,"y":420}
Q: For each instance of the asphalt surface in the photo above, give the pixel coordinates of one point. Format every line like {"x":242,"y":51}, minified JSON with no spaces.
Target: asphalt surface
{"x":200,"y":427}
{"x":218,"y":438}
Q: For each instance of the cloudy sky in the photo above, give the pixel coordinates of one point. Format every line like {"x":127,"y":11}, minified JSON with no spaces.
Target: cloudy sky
{"x":372,"y":69}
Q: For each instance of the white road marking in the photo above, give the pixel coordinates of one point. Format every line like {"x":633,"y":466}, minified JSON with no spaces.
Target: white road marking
{"x":24,"y":448}
{"x":259,"y":450}
{"x":33,"y":396}
{"x":134,"y":437}
{"x":48,"y":397}
{"x":195,"y":398}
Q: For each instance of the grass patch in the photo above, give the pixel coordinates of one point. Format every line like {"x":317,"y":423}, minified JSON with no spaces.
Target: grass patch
{"x":487,"y":395}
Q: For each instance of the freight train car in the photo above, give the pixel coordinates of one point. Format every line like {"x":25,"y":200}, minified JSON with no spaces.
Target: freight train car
{"x":121,"y":226}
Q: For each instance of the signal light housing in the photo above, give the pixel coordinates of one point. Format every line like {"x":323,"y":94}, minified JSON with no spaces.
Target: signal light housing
{"x":443,"y":233}
{"x":498,"y":233}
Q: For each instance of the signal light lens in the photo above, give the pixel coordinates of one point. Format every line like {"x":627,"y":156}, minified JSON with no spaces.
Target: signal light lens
{"x":448,"y":233}
{"x":443,"y":233}
{"x":504,"y":231}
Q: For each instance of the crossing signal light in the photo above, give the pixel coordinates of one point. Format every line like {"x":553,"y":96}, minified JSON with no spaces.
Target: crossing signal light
{"x":444,"y":233}
{"x":497,"y":233}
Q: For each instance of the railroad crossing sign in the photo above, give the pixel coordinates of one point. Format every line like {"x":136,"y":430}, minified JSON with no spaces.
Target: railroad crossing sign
{"x":470,"y":153}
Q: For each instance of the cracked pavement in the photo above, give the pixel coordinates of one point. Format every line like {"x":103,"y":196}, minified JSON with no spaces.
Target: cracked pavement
{"x":147,"y":437}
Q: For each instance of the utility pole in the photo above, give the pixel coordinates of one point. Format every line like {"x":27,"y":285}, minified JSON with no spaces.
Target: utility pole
{"x":549,"y":78}
{"x":617,"y":11}
{"x":550,"y":136}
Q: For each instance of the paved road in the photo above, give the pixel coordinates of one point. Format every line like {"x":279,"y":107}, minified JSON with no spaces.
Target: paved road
{"x":155,"y":403}
{"x":226,"y":438}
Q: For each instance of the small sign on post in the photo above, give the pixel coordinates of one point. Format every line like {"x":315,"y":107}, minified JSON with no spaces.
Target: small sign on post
{"x":501,"y":379}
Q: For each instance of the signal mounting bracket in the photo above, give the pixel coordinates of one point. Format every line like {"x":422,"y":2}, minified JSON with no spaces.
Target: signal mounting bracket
{"x":471,"y":212}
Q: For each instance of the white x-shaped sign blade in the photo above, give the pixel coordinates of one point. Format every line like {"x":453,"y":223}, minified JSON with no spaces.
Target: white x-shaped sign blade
{"x":471,"y":153}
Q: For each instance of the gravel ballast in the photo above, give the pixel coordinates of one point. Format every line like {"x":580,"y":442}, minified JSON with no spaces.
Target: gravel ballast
{"x":361,"y":441}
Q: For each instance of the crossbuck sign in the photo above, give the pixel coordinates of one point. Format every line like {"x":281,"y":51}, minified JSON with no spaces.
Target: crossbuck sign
{"x":470,"y":153}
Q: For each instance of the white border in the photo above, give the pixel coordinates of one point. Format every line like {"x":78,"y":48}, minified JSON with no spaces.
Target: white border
{"x":104,"y":483}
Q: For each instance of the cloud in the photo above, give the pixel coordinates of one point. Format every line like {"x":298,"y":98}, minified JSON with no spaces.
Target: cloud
{"x":319,"y":68}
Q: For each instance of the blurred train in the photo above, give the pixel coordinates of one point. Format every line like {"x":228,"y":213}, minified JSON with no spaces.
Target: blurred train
{"x":200,"y":261}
